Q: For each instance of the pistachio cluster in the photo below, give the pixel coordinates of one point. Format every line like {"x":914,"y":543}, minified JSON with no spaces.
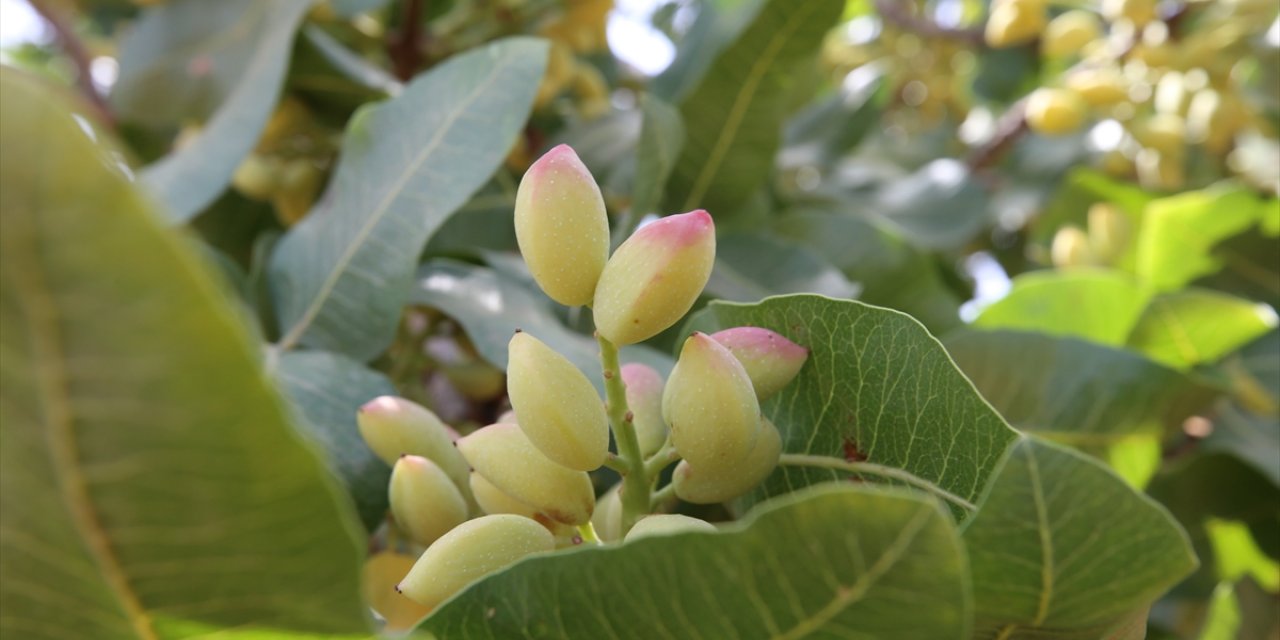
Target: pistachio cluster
{"x":522,"y":486}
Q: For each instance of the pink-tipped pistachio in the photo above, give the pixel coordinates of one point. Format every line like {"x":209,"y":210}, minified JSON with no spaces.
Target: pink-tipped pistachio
{"x":654,"y":278}
{"x":559,"y":409}
{"x":710,"y":484}
{"x":662,"y":524}
{"x":424,"y":501}
{"x":710,"y":405}
{"x":393,"y":426}
{"x":644,"y":398}
{"x":771,"y":361}
{"x":503,"y":454}
{"x":562,"y":227}
{"x":471,"y":551}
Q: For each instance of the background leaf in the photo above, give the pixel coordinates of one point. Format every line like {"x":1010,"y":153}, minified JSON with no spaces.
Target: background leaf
{"x":140,"y":500}
{"x":834,"y":561}
{"x":1061,"y":548}
{"x":341,"y":275}
{"x":326,"y":390}
{"x":224,"y":61}
{"x":751,"y":266}
{"x":940,"y":206}
{"x":1179,"y":232}
{"x":1196,"y":326}
{"x":661,"y":138}
{"x":733,"y":119}
{"x":1095,"y":305}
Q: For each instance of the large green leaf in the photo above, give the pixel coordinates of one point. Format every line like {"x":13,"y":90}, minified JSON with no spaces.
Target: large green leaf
{"x":219,"y":62}
{"x":733,"y":119}
{"x":751,"y":266}
{"x":1073,"y":391}
{"x":341,"y":275}
{"x":661,"y":138}
{"x":836,"y":561}
{"x":1095,"y":305}
{"x":1197,"y":326}
{"x":940,"y":206}
{"x":491,"y":305}
{"x":151,"y":480}
{"x":1061,"y":548}
{"x":875,"y":382}
{"x":891,"y":273}
{"x":327,"y":389}
{"x":1179,"y":232}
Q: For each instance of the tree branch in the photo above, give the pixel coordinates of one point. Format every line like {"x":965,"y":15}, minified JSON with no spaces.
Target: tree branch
{"x":900,"y":13}
{"x":406,"y":46}
{"x":80,"y":58}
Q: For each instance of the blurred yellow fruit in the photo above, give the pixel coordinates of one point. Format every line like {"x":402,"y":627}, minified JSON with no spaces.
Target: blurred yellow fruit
{"x":1068,"y":33}
{"x":1013,"y":23}
{"x":382,"y":572}
{"x":1055,"y":112}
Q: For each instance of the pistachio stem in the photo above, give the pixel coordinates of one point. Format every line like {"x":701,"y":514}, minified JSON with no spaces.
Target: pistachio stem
{"x":661,"y":459}
{"x":664,"y":494}
{"x":588,"y":533}
{"x":635,"y":481}
{"x":869,"y":468}
{"x":617,"y":464}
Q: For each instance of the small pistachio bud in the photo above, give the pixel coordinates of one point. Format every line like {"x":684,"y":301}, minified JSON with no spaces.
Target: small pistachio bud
{"x":1068,"y":33}
{"x":258,"y":177}
{"x":505,"y":456}
{"x":644,"y":398}
{"x":715,"y":483}
{"x":493,"y":500}
{"x":1070,"y":248}
{"x":1160,"y":171}
{"x":1098,"y":87}
{"x":1055,"y":112}
{"x":424,"y":501}
{"x":770,"y":360}
{"x":1013,"y":23}
{"x":607,"y":518}
{"x":1164,"y":132}
{"x":559,"y":410}
{"x":562,"y":227}
{"x":471,"y":551}
{"x":1139,"y":12}
{"x":1108,"y":231}
{"x":654,"y":278}
{"x":382,"y":571}
{"x":394,"y":426}
{"x":710,"y":405}
{"x":662,"y":524}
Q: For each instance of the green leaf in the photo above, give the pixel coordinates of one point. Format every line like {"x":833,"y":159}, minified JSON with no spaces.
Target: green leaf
{"x":1072,"y":391}
{"x":879,"y":261}
{"x":751,"y":266}
{"x":1179,"y":232}
{"x":222,"y":63}
{"x":836,"y":561}
{"x":351,"y":65}
{"x":832,"y":127}
{"x":326,"y":390}
{"x":875,"y":382}
{"x":1100,"y":306}
{"x":1061,"y":548}
{"x":491,"y":305}
{"x":1197,"y":326}
{"x":940,"y":206}
{"x":661,"y":138}
{"x":733,"y":119}
{"x":341,"y":275}
{"x":151,"y":475}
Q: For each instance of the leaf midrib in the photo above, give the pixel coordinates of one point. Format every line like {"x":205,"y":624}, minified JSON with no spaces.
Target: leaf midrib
{"x":40,"y":315}
{"x":740,"y":103}
{"x":295,"y":333}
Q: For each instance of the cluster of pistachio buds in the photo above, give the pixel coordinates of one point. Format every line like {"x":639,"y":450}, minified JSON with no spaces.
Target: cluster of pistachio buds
{"x":1103,"y":244}
{"x":285,"y":168}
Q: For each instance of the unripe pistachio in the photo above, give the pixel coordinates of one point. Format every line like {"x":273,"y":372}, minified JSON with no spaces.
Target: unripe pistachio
{"x":1068,"y":33}
{"x":1139,"y":12}
{"x":424,"y":501}
{"x":300,"y":183}
{"x":1211,"y":120}
{"x":713,"y":483}
{"x":493,"y":500}
{"x":662,"y":524}
{"x":381,"y":573}
{"x":770,"y":360}
{"x":1172,"y":96}
{"x":1013,"y":23}
{"x":607,"y":518}
{"x":562,"y":227}
{"x":477,"y":380}
{"x":644,"y":398}
{"x":505,"y":457}
{"x":710,"y":405}
{"x":1164,"y":132}
{"x":471,"y":551}
{"x":654,"y":278}
{"x":393,"y":426}
{"x":507,"y":417}
{"x":258,"y":177}
{"x":1108,"y":231}
{"x":1070,"y":248}
{"x":1160,"y":171}
{"x":559,"y":409}
{"x":1055,"y":112}
{"x":1099,"y":87}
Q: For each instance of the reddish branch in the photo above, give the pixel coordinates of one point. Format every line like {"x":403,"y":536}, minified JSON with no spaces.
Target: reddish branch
{"x":407,"y":46}
{"x":80,"y":57}
{"x":901,"y":14}
{"x":1011,"y":126}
